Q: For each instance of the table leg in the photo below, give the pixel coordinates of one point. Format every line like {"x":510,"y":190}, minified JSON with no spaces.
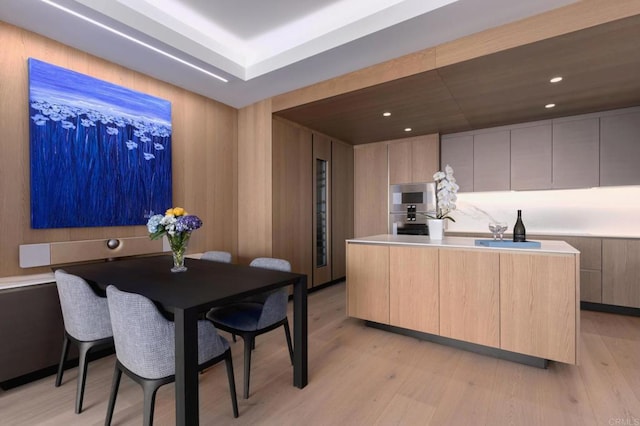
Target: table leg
{"x":300,"y":333}
{"x":186,"y":323}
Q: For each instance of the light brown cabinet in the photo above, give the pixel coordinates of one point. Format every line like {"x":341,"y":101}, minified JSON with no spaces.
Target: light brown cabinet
{"x":298,"y":207}
{"x":621,"y":272}
{"x":368,"y":282}
{"x":520,"y":302}
{"x":413,"y":289}
{"x":414,"y":159}
{"x":470,"y":296}
{"x":538,"y":306}
{"x":341,"y":206}
{"x":371,"y":186}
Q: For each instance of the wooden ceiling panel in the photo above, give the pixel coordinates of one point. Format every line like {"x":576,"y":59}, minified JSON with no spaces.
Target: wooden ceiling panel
{"x":600,"y":66}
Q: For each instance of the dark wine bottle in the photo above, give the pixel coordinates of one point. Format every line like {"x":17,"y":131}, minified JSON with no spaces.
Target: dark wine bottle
{"x":519,"y":234}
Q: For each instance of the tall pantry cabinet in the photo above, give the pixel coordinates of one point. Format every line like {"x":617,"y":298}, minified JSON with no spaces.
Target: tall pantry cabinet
{"x":312,"y":201}
{"x":379,"y":164}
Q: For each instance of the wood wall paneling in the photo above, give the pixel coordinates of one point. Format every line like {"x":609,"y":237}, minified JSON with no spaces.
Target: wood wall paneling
{"x":470,"y":296}
{"x":192,"y":142}
{"x":371,"y":214}
{"x":342,"y":205}
{"x":292,"y":196}
{"x":563,"y":20}
{"x":413,"y":289}
{"x":255,"y":182}
{"x":538,"y":308}
{"x":390,"y":70}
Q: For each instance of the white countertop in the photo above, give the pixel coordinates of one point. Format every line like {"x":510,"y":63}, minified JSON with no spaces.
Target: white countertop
{"x":547,"y":246}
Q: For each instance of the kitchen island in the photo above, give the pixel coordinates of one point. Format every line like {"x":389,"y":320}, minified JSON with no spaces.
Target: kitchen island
{"x":516,"y":303}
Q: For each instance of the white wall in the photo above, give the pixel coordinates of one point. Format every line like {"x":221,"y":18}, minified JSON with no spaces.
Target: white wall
{"x":604,"y":211}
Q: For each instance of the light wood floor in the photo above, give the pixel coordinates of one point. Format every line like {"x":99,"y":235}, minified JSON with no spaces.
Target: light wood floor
{"x":363,"y":376}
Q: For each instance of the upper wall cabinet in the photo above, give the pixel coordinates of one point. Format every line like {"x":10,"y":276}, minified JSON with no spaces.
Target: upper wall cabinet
{"x":531,"y":157}
{"x":597,"y":149}
{"x":371,"y":186}
{"x":491,"y":155}
{"x":576,"y":145}
{"x":414,"y":159}
{"x":620,"y":149}
{"x":457,"y":151}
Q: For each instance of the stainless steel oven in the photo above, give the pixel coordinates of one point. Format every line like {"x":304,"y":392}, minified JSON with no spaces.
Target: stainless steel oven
{"x":409,"y":205}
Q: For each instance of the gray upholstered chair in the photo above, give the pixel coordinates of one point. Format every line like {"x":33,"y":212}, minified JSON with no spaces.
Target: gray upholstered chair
{"x":145,"y":349}
{"x":217,"y":256}
{"x":256,"y":316}
{"x":86,"y":323}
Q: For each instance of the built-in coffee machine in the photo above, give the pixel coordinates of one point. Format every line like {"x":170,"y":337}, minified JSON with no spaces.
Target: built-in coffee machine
{"x":409,"y":205}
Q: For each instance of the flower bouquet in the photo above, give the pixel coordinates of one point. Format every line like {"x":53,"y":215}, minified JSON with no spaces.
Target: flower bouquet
{"x":446,"y":189}
{"x":177,"y":225}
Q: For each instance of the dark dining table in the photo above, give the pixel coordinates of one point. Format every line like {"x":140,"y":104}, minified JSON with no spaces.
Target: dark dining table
{"x":204,"y":285}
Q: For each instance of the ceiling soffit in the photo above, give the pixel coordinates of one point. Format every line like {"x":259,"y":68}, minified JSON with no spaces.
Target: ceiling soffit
{"x":600,"y":66}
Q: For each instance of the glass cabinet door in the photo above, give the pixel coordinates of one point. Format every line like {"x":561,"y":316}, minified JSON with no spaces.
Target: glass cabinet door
{"x":321,"y":229}
{"x":321,"y":213}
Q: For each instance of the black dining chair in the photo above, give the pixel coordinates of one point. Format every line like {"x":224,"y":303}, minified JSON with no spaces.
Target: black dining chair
{"x":256,"y":316}
{"x":86,"y":323}
{"x":145,"y":349}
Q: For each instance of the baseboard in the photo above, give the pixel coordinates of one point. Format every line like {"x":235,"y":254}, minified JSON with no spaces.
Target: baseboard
{"x":51,"y":370}
{"x":467,"y":346}
{"x":611,"y":309}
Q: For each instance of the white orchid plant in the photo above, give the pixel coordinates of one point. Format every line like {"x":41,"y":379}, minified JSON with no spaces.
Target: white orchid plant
{"x":446,"y":190}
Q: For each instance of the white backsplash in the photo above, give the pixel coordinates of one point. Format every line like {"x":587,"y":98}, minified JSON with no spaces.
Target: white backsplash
{"x":604,"y":211}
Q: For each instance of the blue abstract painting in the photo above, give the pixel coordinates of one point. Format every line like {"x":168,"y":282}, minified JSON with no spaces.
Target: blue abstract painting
{"x":100,"y":153}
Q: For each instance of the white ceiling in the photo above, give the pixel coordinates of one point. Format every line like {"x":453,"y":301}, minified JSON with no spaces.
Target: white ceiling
{"x":263,"y":48}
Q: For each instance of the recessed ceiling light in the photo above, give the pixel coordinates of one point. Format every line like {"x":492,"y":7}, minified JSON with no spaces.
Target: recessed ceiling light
{"x":549,"y":106}
{"x":386,"y":114}
{"x":407,"y":129}
{"x":556,"y":79}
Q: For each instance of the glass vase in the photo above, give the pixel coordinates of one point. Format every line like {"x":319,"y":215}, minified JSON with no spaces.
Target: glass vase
{"x":178,"y":244}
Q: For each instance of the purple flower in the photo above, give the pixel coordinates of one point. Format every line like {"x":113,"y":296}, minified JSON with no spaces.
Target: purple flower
{"x":188,"y":223}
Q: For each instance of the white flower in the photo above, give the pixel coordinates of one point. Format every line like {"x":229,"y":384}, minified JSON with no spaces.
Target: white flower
{"x":446,"y":189}
{"x":438,"y":176}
